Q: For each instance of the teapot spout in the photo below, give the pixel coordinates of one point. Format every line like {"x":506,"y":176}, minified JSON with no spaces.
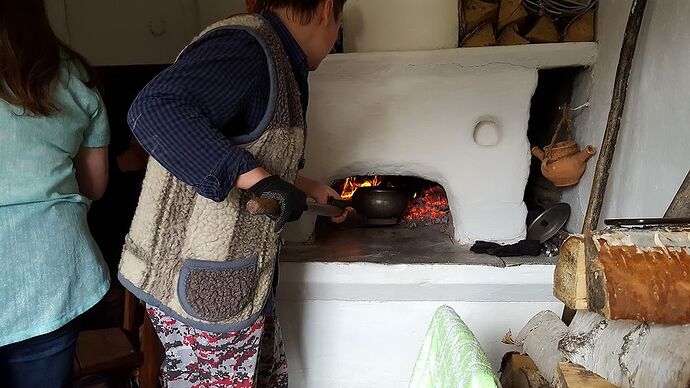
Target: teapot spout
{"x":587,"y":153}
{"x":538,"y":153}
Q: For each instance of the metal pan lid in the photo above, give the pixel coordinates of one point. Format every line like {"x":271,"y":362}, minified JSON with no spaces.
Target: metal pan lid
{"x":548,"y":223}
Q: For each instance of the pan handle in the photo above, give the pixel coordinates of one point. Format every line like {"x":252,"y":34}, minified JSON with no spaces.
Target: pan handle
{"x":260,"y":206}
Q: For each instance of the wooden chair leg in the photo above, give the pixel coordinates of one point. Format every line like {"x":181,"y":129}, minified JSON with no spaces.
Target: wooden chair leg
{"x":153,"y":352}
{"x":134,"y":312}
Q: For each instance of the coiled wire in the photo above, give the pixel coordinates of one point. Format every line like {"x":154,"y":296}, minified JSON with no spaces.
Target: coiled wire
{"x":565,"y":9}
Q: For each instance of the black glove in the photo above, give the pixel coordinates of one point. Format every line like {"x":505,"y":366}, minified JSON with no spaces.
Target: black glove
{"x":522,"y":248}
{"x":292,"y":201}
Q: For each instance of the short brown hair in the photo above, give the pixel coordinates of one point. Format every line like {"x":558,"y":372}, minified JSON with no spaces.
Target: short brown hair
{"x":304,"y":10}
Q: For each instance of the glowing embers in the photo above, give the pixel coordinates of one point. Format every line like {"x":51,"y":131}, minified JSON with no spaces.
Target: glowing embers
{"x":430,"y":207}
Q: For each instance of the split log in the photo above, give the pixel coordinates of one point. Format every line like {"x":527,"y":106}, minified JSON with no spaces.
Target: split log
{"x":544,"y":31}
{"x":680,"y":206}
{"x":628,"y":274}
{"x":511,"y":11}
{"x":624,"y":352}
{"x":581,"y":29}
{"x":576,"y":376}
{"x":570,"y":276}
{"x":481,"y":37}
{"x":629,"y":353}
{"x":640,"y":274}
{"x":519,"y":371}
{"x":477,"y":12}
{"x":511,"y":37}
{"x":620,"y":92}
{"x":539,"y":338}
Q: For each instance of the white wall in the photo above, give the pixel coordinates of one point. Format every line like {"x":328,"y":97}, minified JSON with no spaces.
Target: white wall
{"x":652,"y":156}
{"x":211,"y":11}
{"x":130,"y":32}
{"x":400,"y":25}
{"x":361,"y":325}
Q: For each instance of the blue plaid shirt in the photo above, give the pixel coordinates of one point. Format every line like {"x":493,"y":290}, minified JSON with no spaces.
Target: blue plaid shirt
{"x":218,"y":89}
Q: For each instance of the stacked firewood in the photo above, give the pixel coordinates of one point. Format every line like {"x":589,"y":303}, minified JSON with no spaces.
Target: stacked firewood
{"x":516,"y":22}
{"x":631,"y":288}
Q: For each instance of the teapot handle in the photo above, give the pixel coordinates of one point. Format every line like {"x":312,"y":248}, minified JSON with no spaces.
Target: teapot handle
{"x":565,"y":122}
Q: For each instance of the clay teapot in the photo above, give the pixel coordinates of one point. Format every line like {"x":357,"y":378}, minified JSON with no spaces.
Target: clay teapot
{"x":564,"y":167}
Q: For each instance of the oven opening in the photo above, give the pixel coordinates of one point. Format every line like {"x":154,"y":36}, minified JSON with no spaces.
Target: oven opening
{"x":399,"y":219}
{"x":389,"y":201}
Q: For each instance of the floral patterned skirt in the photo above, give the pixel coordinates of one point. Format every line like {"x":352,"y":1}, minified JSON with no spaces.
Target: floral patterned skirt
{"x":250,"y":358}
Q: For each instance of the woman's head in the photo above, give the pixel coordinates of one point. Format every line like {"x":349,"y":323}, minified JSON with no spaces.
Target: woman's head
{"x":30,"y":56}
{"x":314,"y":23}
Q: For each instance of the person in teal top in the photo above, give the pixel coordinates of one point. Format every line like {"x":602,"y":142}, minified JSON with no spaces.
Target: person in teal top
{"x":53,"y":163}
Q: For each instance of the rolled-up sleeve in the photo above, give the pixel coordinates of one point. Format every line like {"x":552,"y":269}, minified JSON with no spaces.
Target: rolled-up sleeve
{"x":178,"y":116}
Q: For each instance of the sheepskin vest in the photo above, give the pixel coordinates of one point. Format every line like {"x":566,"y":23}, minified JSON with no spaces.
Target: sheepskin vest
{"x":208,"y":264}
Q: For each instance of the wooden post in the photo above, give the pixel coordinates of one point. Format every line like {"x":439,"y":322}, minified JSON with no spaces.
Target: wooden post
{"x":620,"y":91}
{"x":132,"y":319}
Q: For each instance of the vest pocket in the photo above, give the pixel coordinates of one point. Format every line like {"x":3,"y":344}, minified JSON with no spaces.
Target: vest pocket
{"x":214,"y":291}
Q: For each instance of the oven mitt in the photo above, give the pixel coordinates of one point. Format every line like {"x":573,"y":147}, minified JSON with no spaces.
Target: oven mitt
{"x":292,"y":201}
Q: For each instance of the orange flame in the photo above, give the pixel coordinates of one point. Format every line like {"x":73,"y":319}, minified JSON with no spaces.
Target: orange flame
{"x":353,"y":183}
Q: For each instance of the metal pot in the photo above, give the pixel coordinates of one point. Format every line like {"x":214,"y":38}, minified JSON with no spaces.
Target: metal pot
{"x":380,"y":206}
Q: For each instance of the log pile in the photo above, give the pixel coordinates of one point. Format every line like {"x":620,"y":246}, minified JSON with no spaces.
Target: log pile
{"x":624,"y":352}
{"x":514,"y":22}
{"x":631,"y":287}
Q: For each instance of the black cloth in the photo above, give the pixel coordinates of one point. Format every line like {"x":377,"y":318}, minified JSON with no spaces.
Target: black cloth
{"x":522,"y":248}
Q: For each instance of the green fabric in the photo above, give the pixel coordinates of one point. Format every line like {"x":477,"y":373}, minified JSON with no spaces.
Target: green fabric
{"x":451,"y":356}
{"x":50,"y":268}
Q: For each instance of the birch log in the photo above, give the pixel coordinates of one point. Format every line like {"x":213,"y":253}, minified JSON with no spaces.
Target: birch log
{"x":629,"y":353}
{"x":540,"y":338}
{"x":642,"y":275}
{"x":626,"y":353}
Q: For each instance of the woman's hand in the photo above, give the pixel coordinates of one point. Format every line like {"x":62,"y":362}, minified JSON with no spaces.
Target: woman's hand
{"x":320,"y":192}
